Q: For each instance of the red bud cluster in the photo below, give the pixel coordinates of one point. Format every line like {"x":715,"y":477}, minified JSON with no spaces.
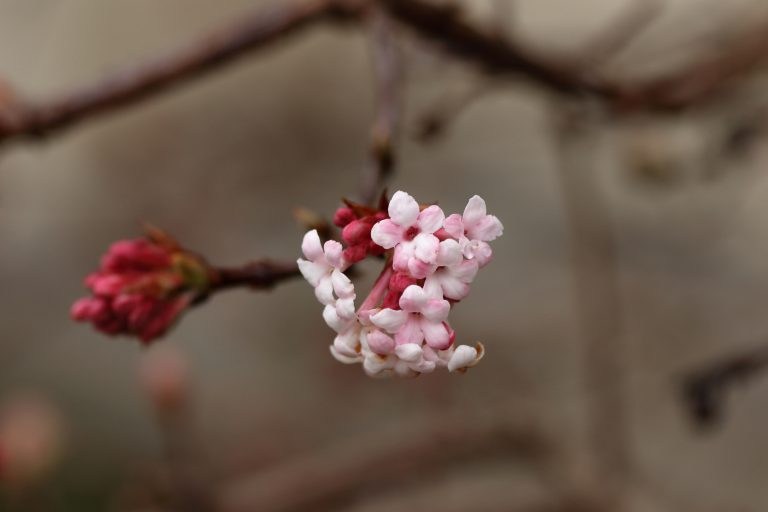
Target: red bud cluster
{"x":141,"y":287}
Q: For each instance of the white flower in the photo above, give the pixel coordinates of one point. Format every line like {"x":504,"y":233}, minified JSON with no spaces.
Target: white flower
{"x":323,"y":269}
{"x":421,"y":318}
{"x":410,"y":232}
{"x":474,"y":229}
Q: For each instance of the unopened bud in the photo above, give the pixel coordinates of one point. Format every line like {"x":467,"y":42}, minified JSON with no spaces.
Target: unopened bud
{"x":30,"y":441}
{"x":164,"y":375}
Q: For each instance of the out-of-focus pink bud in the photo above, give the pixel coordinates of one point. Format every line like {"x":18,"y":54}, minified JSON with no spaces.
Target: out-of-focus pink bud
{"x":30,"y":440}
{"x":135,"y":255}
{"x":164,"y":375}
{"x":343,"y":216}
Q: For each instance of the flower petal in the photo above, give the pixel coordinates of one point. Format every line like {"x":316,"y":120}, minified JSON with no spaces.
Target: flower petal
{"x":478,"y":251}
{"x":379,"y":342}
{"x":403,"y":254}
{"x":436,"y":334}
{"x":410,"y":352}
{"x":343,"y":358}
{"x":410,"y":332}
{"x":425,"y":247}
{"x":486,"y":229}
{"x":345,"y":308}
{"x":413,"y":299}
{"x":342,"y":285}
{"x":463,"y":357}
{"x":449,"y":253}
{"x":387,"y":233}
{"x":454,"y":226}
{"x":465,"y":271}
{"x":474,"y":211}
{"x":436,"y":310}
{"x":333,"y":319}
{"x":333,"y":254}
{"x":452,"y":287}
{"x":432,"y":286}
{"x":312,"y":271}
{"x":419,"y":270}
{"x":430,"y":219}
{"x":348,"y":343}
{"x":324,"y":290}
{"x":403,"y":210}
{"x":390,"y":320}
{"x":311,"y":247}
{"x":374,"y":364}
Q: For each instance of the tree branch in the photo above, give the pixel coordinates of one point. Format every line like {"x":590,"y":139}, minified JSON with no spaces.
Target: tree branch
{"x":690,"y":86}
{"x":258,"y":31}
{"x":258,"y":274}
{"x":334,"y":475}
{"x":387,"y":69}
{"x":21,"y":118}
{"x":704,"y":390}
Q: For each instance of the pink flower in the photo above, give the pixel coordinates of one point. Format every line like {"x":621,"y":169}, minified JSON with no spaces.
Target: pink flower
{"x":452,"y":282}
{"x":421,"y":318}
{"x":323,"y":269}
{"x":474,"y":229}
{"x":401,"y":327}
{"x":411,"y":233}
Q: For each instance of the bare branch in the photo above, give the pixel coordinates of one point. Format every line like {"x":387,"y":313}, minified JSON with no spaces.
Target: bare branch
{"x":695,"y":84}
{"x":388,"y":77}
{"x":704,"y":390}
{"x":23,"y":118}
{"x":209,"y":53}
{"x":258,"y":274}
{"x":377,"y":459}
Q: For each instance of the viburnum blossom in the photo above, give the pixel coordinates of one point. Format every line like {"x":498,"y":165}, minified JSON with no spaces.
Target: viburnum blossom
{"x":430,"y":261}
{"x":142,"y":287}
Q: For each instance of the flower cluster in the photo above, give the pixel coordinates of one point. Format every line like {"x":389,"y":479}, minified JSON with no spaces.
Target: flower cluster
{"x":142,"y":287}
{"x":401,"y":327}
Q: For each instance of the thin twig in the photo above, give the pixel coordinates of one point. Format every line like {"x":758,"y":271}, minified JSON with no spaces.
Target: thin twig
{"x":209,"y":53}
{"x":258,"y":274}
{"x":696,"y":84}
{"x":378,"y":459}
{"x":388,"y":71}
{"x":704,"y":389}
{"x":692,"y":85}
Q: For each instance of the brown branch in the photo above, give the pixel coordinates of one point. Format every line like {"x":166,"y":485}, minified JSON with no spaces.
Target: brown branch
{"x":378,"y":459}
{"x":258,"y":274}
{"x":690,"y":86}
{"x":20,"y":118}
{"x":388,"y":77}
{"x":704,"y":390}
{"x":255,"y":32}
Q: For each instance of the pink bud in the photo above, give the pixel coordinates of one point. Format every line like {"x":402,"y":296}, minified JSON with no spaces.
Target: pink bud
{"x":400,"y":281}
{"x":30,"y":440}
{"x":343,"y":216}
{"x":136,"y":255}
{"x":380,"y":343}
{"x":357,"y":232}
{"x":355,"y":253}
{"x":164,"y":375}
